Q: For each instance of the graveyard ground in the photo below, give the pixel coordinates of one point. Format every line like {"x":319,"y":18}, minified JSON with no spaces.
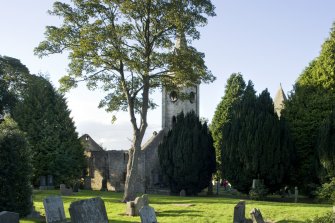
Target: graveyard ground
{"x":190,"y":209}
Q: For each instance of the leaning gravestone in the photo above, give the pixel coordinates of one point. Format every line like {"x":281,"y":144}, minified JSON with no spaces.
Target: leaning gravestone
{"x":148,"y":215}
{"x":54,"y":209}
{"x":239,"y":212}
{"x":9,"y":217}
{"x":88,"y":211}
{"x":256,"y":216}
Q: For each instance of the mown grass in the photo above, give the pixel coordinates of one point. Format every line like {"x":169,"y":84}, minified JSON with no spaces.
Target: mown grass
{"x":174,"y":209}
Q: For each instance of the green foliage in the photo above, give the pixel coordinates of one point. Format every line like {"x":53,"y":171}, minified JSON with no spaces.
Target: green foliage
{"x":309,"y":105}
{"x":44,"y":116}
{"x":115,"y":44}
{"x":15,"y":169}
{"x":327,"y":191}
{"x":233,"y":92}
{"x":187,"y":155}
{"x":13,"y":76}
{"x":256,"y":143}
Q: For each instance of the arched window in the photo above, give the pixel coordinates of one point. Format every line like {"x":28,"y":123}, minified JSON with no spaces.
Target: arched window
{"x":173,"y":96}
{"x":192,"y":97}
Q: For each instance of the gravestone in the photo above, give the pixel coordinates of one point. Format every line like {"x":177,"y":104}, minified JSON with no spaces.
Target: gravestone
{"x":130,"y":208}
{"x":43,"y":183}
{"x":139,"y":203}
{"x":256,"y":216}
{"x":296,"y":192}
{"x":54,"y":209}
{"x":182,"y":193}
{"x":239,"y":212}
{"x":9,"y":217}
{"x":88,"y":211}
{"x":50,"y":181}
{"x":148,"y":214}
{"x":87,"y":183}
{"x":64,"y":191}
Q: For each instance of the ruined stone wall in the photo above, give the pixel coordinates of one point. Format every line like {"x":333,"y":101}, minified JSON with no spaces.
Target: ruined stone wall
{"x":117,"y":165}
{"x":98,"y":167}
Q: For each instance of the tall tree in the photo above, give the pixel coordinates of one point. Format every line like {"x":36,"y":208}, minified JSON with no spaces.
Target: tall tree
{"x":125,"y":47}
{"x":43,"y":115}
{"x":310,"y":103}
{"x":256,"y":143}
{"x":234,"y":89}
{"x":187,"y":155}
{"x":15,"y":169}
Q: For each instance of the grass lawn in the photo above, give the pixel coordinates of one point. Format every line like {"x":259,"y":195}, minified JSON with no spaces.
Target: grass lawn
{"x":174,"y":209}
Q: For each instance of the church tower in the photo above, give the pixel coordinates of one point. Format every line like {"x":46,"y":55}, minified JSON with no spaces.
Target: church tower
{"x":279,"y":101}
{"x":172,"y":103}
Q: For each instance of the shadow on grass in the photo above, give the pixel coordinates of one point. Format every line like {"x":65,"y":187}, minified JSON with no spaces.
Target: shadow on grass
{"x":177,"y":213}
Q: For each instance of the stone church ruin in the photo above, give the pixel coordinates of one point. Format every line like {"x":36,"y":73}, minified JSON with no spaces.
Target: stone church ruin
{"x":107,"y":169}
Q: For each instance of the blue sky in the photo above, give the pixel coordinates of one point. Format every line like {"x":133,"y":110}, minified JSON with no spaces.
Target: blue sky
{"x":269,"y":42}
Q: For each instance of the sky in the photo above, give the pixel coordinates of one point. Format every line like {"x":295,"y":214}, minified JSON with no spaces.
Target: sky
{"x":267,"y":41}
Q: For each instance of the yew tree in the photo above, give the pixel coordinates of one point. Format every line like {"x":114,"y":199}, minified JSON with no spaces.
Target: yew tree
{"x":126,"y":48}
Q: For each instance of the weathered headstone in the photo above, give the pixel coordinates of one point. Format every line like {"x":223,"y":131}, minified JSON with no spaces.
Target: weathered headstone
{"x":256,"y":216}
{"x":88,"y":211}
{"x":239,"y":212}
{"x":54,"y":209}
{"x":139,"y":203}
{"x":296,"y":192}
{"x":87,"y":183}
{"x":182,"y":193}
{"x":50,"y":180}
{"x":64,"y":191}
{"x":148,"y":214}
{"x":43,"y":182}
{"x":9,"y":217}
{"x":255,"y":183}
{"x":130,"y":208}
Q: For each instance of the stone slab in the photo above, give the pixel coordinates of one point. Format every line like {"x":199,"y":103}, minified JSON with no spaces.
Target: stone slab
{"x":88,"y":211}
{"x":148,"y":215}
{"x":9,"y":217}
{"x":54,"y":209}
{"x":139,"y":203}
{"x":256,"y":216}
{"x":239,"y":212}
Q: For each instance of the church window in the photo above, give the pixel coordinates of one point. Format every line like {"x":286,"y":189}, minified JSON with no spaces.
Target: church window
{"x":173,"y":96}
{"x":192,"y":97}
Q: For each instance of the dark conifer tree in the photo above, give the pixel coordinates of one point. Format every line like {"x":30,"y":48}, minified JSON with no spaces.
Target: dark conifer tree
{"x":187,"y":155}
{"x":256,"y":143}
{"x":15,"y":169}
{"x":233,"y":93}
{"x":44,"y":116}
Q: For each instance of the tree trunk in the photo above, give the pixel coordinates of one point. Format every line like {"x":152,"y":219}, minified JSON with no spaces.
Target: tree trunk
{"x":132,"y":170}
